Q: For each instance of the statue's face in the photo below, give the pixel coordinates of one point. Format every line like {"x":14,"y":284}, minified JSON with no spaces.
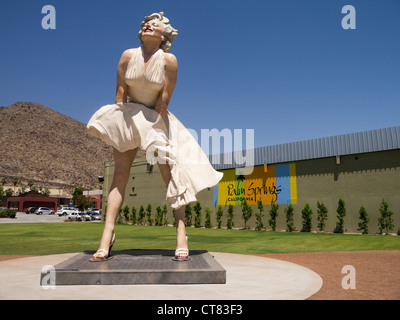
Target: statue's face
{"x":153,"y":28}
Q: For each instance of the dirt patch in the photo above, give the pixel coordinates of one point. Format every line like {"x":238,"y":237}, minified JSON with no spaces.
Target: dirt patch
{"x":377,"y":273}
{"x":5,"y":258}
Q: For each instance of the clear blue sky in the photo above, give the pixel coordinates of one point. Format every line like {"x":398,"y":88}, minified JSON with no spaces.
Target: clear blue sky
{"x":285,"y":68}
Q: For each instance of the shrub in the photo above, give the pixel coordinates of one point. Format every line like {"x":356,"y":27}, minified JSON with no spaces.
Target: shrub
{"x":133,"y":215}
{"x":197,"y":217}
{"x":259,"y":216}
{"x":219,"y":215}
{"x":229,"y":219}
{"x":188,"y":215}
{"x":385,"y":221}
{"x":341,"y":213}
{"x":207,"y":222}
{"x":247,"y":212}
{"x":125,"y":212}
{"x":273,"y":213}
{"x":306,"y":214}
{"x":8,"y":213}
{"x":141,"y":215}
{"x":149,"y":219}
{"x":158,"y":220}
{"x":363,"y":224}
{"x":322,"y":215}
{"x":165,"y":213}
{"x":289,"y":218}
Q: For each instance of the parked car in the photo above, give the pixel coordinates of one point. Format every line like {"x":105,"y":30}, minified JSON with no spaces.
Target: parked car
{"x":96,"y":215}
{"x":42,"y":210}
{"x":84,"y":215}
{"x":30,"y":210}
{"x":77,"y":215}
{"x":74,"y":215}
{"x":65,"y":211}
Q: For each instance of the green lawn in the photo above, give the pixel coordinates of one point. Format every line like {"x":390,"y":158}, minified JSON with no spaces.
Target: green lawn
{"x":55,"y":238}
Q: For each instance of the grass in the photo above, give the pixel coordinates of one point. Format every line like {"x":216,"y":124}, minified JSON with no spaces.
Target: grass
{"x":56,"y":238}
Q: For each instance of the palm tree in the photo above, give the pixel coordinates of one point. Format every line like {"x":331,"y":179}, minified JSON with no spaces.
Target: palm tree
{"x":15,"y":182}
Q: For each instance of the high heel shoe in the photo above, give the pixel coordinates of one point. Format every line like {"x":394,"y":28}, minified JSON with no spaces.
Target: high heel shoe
{"x":102,"y":254}
{"x":182,"y":254}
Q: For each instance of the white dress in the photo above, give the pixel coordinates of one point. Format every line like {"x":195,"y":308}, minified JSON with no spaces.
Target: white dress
{"x":136,"y":124}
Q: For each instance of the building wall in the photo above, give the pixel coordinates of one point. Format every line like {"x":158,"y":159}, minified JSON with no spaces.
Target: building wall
{"x":359,"y":179}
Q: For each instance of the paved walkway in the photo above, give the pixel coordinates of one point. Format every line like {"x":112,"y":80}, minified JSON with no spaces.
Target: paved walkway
{"x":248,"y":278}
{"x":22,"y":217}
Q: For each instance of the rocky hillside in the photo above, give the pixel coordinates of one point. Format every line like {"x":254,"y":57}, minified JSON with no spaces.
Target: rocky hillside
{"x":49,"y":148}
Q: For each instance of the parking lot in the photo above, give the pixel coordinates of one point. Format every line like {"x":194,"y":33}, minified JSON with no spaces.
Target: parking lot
{"x":22,"y":217}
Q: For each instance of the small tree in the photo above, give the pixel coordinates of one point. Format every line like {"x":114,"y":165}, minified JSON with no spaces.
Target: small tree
{"x":363,"y":224}
{"x":385,"y":221}
{"x":46,"y":191}
{"x":219,"y":215}
{"x":341,"y":213}
{"x":229,"y":219}
{"x":8,"y":192}
{"x":207,"y":222}
{"x":165,"y":213}
{"x":322,"y":215}
{"x":289,"y":218}
{"x":247,"y":212}
{"x":188,"y":215}
{"x":77,"y":192}
{"x":273,"y":213}
{"x":141,"y":215}
{"x":83,"y":202}
{"x":125,"y":212}
{"x":306,"y":214}
{"x":197,"y":217}
{"x":148,"y":211}
{"x":133,"y":215}
{"x":159,"y":217}
{"x":15,"y":181}
{"x":259,"y":215}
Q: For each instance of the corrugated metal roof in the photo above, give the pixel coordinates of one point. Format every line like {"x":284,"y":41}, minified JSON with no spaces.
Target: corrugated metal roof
{"x":346,"y":144}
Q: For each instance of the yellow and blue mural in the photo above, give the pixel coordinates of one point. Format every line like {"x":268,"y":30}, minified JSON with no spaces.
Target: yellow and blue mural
{"x":270,"y":184}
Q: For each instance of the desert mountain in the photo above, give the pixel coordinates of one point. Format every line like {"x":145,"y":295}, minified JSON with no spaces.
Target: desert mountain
{"x":49,"y":148}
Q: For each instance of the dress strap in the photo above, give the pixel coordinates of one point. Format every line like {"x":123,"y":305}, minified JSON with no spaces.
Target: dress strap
{"x":155,"y":70}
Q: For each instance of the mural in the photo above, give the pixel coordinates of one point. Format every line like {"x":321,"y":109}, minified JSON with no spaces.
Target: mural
{"x":270,"y":184}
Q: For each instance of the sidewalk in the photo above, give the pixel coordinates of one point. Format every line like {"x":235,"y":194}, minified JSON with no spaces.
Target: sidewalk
{"x":22,"y":217}
{"x":248,"y":278}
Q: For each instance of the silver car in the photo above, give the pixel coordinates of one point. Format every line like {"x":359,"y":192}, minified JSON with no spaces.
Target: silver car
{"x":42,"y":210}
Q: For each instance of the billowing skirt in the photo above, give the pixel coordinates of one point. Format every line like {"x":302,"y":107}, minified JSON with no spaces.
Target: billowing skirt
{"x":127,"y":126}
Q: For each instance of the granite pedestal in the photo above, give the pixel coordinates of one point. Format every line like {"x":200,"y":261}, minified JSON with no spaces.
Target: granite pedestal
{"x":133,"y":267}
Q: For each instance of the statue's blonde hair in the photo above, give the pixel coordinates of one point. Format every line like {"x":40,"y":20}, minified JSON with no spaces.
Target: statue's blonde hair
{"x":170,"y":33}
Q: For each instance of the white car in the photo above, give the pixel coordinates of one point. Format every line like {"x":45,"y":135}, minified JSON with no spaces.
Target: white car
{"x":74,"y":215}
{"x":42,"y":210}
{"x":84,"y":215}
{"x":77,"y":215}
{"x":95,"y":214}
{"x":65,"y":211}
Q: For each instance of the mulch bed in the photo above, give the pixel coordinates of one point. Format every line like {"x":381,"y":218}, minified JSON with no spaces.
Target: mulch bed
{"x":377,"y":273}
